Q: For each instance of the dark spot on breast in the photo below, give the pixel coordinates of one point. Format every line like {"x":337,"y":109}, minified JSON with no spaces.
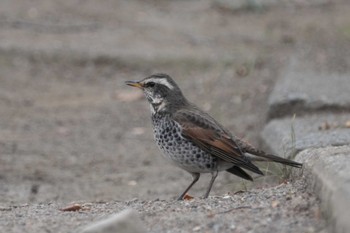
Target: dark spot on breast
{"x":198,"y":156}
{"x":208,"y":165}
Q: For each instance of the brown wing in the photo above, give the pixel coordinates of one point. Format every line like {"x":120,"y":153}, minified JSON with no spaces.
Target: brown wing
{"x":212,"y":138}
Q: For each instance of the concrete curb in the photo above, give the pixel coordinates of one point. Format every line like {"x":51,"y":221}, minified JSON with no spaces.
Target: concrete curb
{"x":303,"y":91}
{"x":319,"y":136}
{"x":326,"y":172}
{"x":312,"y":131}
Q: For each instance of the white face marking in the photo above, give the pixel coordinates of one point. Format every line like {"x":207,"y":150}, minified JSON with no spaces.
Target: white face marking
{"x":157,"y":100}
{"x":157,"y":108}
{"x":162,"y":81}
{"x":161,"y":106}
{"x":157,"y":104}
{"x":153,"y":111}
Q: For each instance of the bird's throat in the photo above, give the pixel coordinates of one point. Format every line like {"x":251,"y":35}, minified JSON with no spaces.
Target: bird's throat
{"x":157,"y":107}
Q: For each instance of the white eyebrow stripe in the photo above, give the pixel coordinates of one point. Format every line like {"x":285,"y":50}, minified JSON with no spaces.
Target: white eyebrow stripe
{"x":161,"y":81}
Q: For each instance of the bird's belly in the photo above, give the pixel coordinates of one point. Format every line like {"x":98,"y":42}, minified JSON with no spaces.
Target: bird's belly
{"x":182,"y":152}
{"x":189,"y":157}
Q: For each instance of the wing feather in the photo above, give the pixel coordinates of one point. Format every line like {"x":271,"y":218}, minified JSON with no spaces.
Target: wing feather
{"x":212,"y":138}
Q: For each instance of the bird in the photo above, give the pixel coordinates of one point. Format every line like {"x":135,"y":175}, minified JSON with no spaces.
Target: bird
{"x":193,"y":140}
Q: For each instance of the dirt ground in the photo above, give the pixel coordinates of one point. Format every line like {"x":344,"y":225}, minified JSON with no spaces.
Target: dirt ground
{"x":71,"y":131}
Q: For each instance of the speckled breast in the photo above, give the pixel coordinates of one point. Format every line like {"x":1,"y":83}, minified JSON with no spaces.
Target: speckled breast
{"x":178,"y":149}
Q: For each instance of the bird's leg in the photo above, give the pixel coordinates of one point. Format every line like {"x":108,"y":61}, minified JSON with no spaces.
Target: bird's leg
{"x":213,"y":177}
{"x":195,"y":177}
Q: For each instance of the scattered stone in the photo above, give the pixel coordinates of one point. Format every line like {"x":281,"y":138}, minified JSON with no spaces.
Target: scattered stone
{"x":5,"y":208}
{"x":126,"y":221}
{"x":138,"y":130}
{"x":275,"y":204}
{"x":132,"y":183}
{"x":347,"y":124}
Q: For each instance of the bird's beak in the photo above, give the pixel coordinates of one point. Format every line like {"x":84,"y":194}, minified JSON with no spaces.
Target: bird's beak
{"x":134,"y":84}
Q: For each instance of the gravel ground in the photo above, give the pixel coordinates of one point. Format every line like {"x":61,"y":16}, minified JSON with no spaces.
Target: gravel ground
{"x":287,"y":207}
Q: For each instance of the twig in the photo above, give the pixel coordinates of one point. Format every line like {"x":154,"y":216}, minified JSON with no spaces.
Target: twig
{"x":235,"y":208}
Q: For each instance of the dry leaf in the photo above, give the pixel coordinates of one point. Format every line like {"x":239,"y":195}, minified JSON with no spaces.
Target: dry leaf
{"x":74,"y":207}
{"x":211,"y":215}
{"x":284,"y":182}
{"x":242,"y":71}
{"x":239,"y":192}
{"x":324,"y":126}
{"x":188,"y":197}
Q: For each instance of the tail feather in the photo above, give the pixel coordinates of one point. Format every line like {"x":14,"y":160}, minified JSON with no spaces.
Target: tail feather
{"x":247,"y":148}
{"x":273,"y":158}
{"x":239,"y":172}
{"x":281,"y":160}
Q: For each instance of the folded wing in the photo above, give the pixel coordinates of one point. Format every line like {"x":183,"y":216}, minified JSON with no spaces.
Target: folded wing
{"x":211,"y":137}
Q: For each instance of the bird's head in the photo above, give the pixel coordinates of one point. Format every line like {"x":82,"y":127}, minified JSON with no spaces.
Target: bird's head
{"x":161,"y":91}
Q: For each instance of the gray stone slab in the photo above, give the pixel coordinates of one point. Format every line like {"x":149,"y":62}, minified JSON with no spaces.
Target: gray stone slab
{"x":312,"y":131}
{"x":303,"y":90}
{"x":116,"y":31}
{"x":126,"y":221}
{"x":327,"y":172}
{"x":236,"y":5}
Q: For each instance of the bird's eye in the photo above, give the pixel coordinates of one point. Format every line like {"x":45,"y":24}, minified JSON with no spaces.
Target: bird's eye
{"x":150,"y":84}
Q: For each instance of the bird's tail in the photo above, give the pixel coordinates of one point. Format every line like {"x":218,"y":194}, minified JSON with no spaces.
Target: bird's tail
{"x":277,"y":159}
{"x":239,"y":172}
{"x":262,"y":156}
{"x":258,"y":155}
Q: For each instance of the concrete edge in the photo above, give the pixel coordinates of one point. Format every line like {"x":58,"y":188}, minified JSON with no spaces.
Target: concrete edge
{"x":322,"y":180}
{"x":297,"y":107}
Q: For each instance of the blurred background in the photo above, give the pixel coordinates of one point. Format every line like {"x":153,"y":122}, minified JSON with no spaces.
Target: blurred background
{"x":71,"y":130}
